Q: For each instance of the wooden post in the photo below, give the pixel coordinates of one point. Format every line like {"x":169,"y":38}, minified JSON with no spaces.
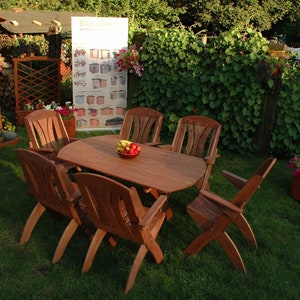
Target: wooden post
{"x":54,"y":39}
{"x":268,"y":118}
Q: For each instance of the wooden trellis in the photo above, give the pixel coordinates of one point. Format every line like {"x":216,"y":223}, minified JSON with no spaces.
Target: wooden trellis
{"x":36,"y":78}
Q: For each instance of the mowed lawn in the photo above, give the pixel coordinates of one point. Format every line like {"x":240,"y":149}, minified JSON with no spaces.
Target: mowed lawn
{"x":273,"y":270}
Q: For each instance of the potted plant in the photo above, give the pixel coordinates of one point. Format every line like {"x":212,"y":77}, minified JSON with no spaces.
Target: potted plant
{"x":295,"y":188}
{"x":67,"y":113}
{"x":8,"y":135}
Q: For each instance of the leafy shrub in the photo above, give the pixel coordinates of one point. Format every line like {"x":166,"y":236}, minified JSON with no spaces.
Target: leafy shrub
{"x":286,"y":132}
{"x":220,"y":80}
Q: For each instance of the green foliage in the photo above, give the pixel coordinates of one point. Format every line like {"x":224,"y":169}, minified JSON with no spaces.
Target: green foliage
{"x":218,"y":16}
{"x":67,"y":90}
{"x":24,"y":46}
{"x":220,"y":80}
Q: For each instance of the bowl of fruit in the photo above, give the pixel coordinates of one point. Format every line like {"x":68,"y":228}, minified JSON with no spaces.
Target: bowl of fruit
{"x":128,"y":149}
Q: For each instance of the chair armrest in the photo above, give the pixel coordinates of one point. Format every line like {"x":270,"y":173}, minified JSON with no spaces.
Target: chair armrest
{"x":236,"y":180}
{"x":153,"y":144}
{"x":74,"y":140}
{"x":42,"y":150}
{"x":75,"y":197}
{"x":220,"y":201}
{"x":211,"y":159}
{"x":152,"y":211}
{"x":165,"y":147}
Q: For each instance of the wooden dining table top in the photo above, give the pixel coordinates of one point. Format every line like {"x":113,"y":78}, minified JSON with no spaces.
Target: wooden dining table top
{"x":156,"y":168}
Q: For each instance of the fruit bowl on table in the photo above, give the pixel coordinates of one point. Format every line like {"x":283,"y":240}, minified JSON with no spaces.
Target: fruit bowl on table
{"x":127,"y":149}
{"x":127,"y":155}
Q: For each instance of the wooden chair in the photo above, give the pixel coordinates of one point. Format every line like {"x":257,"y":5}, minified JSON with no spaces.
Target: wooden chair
{"x":197,"y":136}
{"x":239,"y":182}
{"x":47,"y":134}
{"x":214,"y":214}
{"x":142,"y":125}
{"x":54,"y":191}
{"x":117,"y":209}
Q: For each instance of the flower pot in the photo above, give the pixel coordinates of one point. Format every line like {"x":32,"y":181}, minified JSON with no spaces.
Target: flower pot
{"x":21,"y":114}
{"x":295,"y":188}
{"x":70,"y":126}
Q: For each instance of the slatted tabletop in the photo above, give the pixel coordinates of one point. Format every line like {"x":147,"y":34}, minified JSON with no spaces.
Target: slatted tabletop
{"x":155,"y":168}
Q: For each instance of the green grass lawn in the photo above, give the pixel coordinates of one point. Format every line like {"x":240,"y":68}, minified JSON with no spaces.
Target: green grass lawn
{"x":26,"y":272}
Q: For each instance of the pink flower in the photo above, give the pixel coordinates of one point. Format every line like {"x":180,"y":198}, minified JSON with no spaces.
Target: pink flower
{"x":294,"y":164}
{"x":129,"y":59}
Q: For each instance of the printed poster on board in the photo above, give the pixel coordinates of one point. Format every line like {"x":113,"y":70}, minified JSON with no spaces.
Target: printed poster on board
{"x":99,"y":89}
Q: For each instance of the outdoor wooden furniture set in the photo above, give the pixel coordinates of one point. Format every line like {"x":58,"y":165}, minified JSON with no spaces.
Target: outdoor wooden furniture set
{"x":117,"y":209}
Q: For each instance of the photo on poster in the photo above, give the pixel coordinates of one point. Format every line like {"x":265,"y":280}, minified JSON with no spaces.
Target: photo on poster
{"x":99,"y":88}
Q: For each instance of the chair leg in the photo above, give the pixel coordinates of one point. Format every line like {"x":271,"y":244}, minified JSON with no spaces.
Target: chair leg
{"x":94,"y":245}
{"x":232,"y":251}
{"x":246,"y":230}
{"x":35,"y":215}
{"x":135,"y":268}
{"x":64,"y":241}
{"x":200,"y":242}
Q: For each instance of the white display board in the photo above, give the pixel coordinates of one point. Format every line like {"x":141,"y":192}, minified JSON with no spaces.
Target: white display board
{"x":99,"y":89}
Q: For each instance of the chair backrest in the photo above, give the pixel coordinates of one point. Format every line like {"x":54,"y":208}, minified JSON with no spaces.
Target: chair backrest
{"x":247,"y":191}
{"x":198,"y":136}
{"x":45,"y":129}
{"x":266,"y":167}
{"x":253,"y":183}
{"x":48,"y":182}
{"x":112,"y":206}
{"x":262,"y":171}
{"x":142,"y":125}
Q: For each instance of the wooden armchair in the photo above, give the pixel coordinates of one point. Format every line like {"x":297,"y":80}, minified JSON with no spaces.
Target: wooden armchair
{"x":47,"y":134}
{"x":197,"y":136}
{"x":239,"y":182}
{"x":214,"y":215}
{"x":53,"y":190}
{"x":142,"y":125}
{"x":114,"y":208}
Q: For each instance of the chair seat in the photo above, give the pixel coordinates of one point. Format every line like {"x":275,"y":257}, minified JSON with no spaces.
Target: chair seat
{"x":203,"y":211}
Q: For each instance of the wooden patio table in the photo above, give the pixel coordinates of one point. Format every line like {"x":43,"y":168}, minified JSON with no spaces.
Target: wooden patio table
{"x":155,"y":168}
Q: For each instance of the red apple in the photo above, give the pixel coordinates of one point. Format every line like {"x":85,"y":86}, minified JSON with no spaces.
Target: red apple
{"x":132,"y":146}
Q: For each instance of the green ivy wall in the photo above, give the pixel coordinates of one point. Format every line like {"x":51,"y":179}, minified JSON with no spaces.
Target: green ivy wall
{"x":228,"y":80}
